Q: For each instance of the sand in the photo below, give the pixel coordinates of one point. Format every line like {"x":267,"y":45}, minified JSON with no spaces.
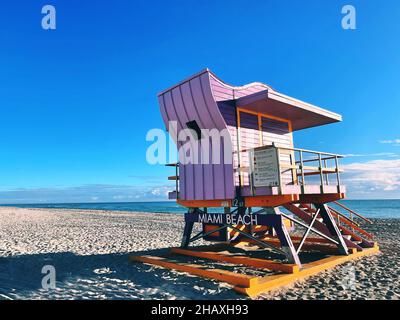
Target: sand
{"x":90,"y":248}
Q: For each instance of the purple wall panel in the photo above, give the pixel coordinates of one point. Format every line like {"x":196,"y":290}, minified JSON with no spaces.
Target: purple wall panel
{"x":203,"y":173}
{"x":177,"y":101}
{"x":218,"y":170}
{"x":194,"y":100}
{"x":187,"y":99}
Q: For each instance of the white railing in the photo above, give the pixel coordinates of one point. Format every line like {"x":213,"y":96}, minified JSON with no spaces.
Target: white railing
{"x":299,"y":166}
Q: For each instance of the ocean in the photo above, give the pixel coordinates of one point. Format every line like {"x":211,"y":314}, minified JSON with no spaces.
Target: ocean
{"x":368,"y":208}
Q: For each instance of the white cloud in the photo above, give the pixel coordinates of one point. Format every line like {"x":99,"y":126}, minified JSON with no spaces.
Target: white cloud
{"x":395,"y":142}
{"x":375,"y":177}
{"x":107,"y":193}
{"x":380,"y":154}
{"x":160,"y":191}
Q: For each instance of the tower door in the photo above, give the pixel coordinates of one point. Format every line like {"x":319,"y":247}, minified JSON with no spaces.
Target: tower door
{"x":255,"y":130}
{"x":279,"y":133}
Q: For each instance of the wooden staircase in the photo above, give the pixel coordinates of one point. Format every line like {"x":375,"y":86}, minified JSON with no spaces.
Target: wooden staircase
{"x":353,"y":235}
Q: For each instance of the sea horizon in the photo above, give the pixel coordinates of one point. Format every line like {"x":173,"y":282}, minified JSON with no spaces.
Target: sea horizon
{"x":372,"y":208}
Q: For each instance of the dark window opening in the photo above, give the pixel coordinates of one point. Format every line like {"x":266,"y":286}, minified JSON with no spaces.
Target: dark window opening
{"x":195,"y":127}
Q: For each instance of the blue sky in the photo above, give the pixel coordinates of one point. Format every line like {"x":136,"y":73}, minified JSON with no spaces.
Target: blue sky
{"x":76,"y":102}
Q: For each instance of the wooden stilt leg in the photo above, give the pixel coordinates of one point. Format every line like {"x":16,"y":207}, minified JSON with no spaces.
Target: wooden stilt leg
{"x":284,"y":238}
{"x":287,"y":244}
{"x":330,"y":223}
{"x":187,"y":231}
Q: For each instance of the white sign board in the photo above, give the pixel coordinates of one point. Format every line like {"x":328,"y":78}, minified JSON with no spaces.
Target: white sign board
{"x":265,"y":167}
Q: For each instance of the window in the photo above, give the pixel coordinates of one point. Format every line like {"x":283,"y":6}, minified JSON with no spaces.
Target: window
{"x":195,"y":127}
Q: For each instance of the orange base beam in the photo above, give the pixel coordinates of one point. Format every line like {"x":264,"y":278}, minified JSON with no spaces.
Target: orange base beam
{"x":204,"y":203}
{"x":321,"y":247}
{"x":252,"y":285}
{"x":264,"y":201}
{"x":198,"y":270}
{"x":235,"y":259}
{"x":269,"y":283}
{"x":270,"y":201}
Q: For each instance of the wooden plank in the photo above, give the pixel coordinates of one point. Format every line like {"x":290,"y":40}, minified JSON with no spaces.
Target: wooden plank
{"x":327,"y":248}
{"x":351,"y":224}
{"x":343,"y":218}
{"x":321,"y":198}
{"x":198,"y":270}
{"x":171,"y":165}
{"x":253,"y":286}
{"x":269,"y":283}
{"x":270,"y":201}
{"x":312,"y":173}
{"x":314,"y":170}
{"x":353,"y":212}
{"x":243,"y":260}
{"x":173,"y":178}
{"x":347,"y":232}
{"x":288,"y":166}
{"x":309,"y":239}
{"x":204,"y":203}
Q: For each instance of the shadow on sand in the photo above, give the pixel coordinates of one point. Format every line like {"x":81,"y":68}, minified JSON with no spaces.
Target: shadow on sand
{"x":102,"y":276}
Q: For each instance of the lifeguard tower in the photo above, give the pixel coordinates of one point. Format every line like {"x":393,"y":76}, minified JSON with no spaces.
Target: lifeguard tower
{"x":270,"y":194}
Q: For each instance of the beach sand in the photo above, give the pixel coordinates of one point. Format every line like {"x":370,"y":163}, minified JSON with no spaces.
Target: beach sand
{"x":89,"y":250}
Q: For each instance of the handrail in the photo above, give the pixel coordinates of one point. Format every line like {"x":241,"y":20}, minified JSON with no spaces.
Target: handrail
{"x":314,"y":152}
{"x":337,"y":213}
{"x":353,"y":212}
{"x":353,"y":225}
{"x":298,"y":167}
{"x":332,"y":155}
{"x":350,"y":221}
{"x":316,"y":159}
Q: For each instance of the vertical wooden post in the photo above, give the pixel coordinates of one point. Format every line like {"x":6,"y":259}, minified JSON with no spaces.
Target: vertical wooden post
{"x":251,"y":171}
{"x":303,"y":183}
{"x":326,"y":174}
{"x":286,"y":244}
{"x":337,"y":173}
{"x":239,"y":145}
{"x":284,"y":237}
{"x":321,"y":176}
{"x":177,"y":181}
{"x":187,"y":231}
{"x":278,"y":156}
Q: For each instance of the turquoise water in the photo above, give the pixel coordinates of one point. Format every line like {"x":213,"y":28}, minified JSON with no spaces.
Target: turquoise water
{"x":368,"y":208}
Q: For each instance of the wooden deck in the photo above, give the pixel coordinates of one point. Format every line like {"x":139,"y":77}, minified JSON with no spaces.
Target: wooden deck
{"x":265,"y":199}
{"x":284,"y":274}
